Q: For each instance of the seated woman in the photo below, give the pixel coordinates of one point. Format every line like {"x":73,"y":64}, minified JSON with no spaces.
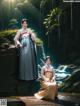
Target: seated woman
{"x":48,"y":84}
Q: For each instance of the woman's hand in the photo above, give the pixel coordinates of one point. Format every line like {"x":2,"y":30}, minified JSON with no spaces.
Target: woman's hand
{"x":19,"y":44}
{"x":47,"y":80}
{"x":53,"y":79}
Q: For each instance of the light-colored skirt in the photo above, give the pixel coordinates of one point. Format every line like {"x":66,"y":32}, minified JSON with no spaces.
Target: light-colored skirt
{"x":28,"y":65}
{"x":48,"y":91}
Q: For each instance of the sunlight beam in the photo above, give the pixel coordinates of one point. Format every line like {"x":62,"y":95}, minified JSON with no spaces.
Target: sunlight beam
{"x":10,"y":1}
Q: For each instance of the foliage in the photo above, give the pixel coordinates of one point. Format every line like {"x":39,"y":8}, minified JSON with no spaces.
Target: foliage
{"x":13,"y":23}
{"x":11,"y":33}
{"x":7,"y":33}
{"x":52,"y":19}
{"x":39,"y":42}
{"x":17,"y":10}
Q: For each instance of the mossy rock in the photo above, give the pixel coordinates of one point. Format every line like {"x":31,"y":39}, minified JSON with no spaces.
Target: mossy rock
{"x":71,"y":84}
{"x":9,"y":35}
{"x":75,"y":76}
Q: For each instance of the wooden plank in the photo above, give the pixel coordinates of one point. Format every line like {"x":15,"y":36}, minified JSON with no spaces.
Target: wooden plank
{"x":63,"y":100}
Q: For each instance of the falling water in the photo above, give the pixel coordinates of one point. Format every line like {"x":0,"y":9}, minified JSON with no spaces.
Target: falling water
{"x":71,"y":17}
{"x":41,"y":56}
{"x":59,"y":26}
{"x":43,"y":53}
{"x":41,"y":11}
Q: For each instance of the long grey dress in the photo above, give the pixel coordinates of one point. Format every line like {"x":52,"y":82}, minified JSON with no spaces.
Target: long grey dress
{"x":27,"y":67}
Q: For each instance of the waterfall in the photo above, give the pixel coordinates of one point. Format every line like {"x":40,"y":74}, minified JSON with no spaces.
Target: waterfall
{"x":59,"y":26}
{"x":40,"y":58}
{"x":43,"y":53}
{"x":71,"y":17}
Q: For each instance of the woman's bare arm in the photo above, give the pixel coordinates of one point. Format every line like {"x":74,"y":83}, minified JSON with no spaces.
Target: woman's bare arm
{"x":33,"y":36}
{"x":43,"y":76}
{"x":16,"y":39}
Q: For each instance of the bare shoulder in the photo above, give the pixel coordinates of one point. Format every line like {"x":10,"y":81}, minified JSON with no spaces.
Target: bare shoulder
{"x":30,"y":30}
{"x":19,"y":30}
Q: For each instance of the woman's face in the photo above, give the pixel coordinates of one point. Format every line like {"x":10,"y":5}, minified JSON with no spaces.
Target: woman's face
{"x":24,"y":24}
{"x":48,"y":62}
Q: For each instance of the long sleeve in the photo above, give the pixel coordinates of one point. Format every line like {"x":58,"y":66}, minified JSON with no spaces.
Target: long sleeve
{"x":42,"y":74}
{"x":16,"y":38}
{"x":33,"y":36}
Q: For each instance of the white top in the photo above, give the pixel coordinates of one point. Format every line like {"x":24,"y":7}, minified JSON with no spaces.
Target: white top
{"x":23,"y":32}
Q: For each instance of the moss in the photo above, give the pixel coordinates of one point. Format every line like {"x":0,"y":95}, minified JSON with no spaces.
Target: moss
{"x":39,"y":42}
{"x":9,"y":34}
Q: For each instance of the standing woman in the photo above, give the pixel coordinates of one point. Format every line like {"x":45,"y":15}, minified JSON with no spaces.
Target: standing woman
{"x":25,"y":40}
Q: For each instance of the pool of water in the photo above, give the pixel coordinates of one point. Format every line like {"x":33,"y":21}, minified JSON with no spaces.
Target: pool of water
{"x":62,"y":72}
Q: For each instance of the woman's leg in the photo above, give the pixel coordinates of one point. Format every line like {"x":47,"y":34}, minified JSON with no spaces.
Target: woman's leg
{"x":51,"y":91}
{"x":48,"y":93}
{"x":43,"y":92}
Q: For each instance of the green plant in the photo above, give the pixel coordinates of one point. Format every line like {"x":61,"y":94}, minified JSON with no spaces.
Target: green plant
{"x":11,"y":33}
{"x":52,"y":19}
